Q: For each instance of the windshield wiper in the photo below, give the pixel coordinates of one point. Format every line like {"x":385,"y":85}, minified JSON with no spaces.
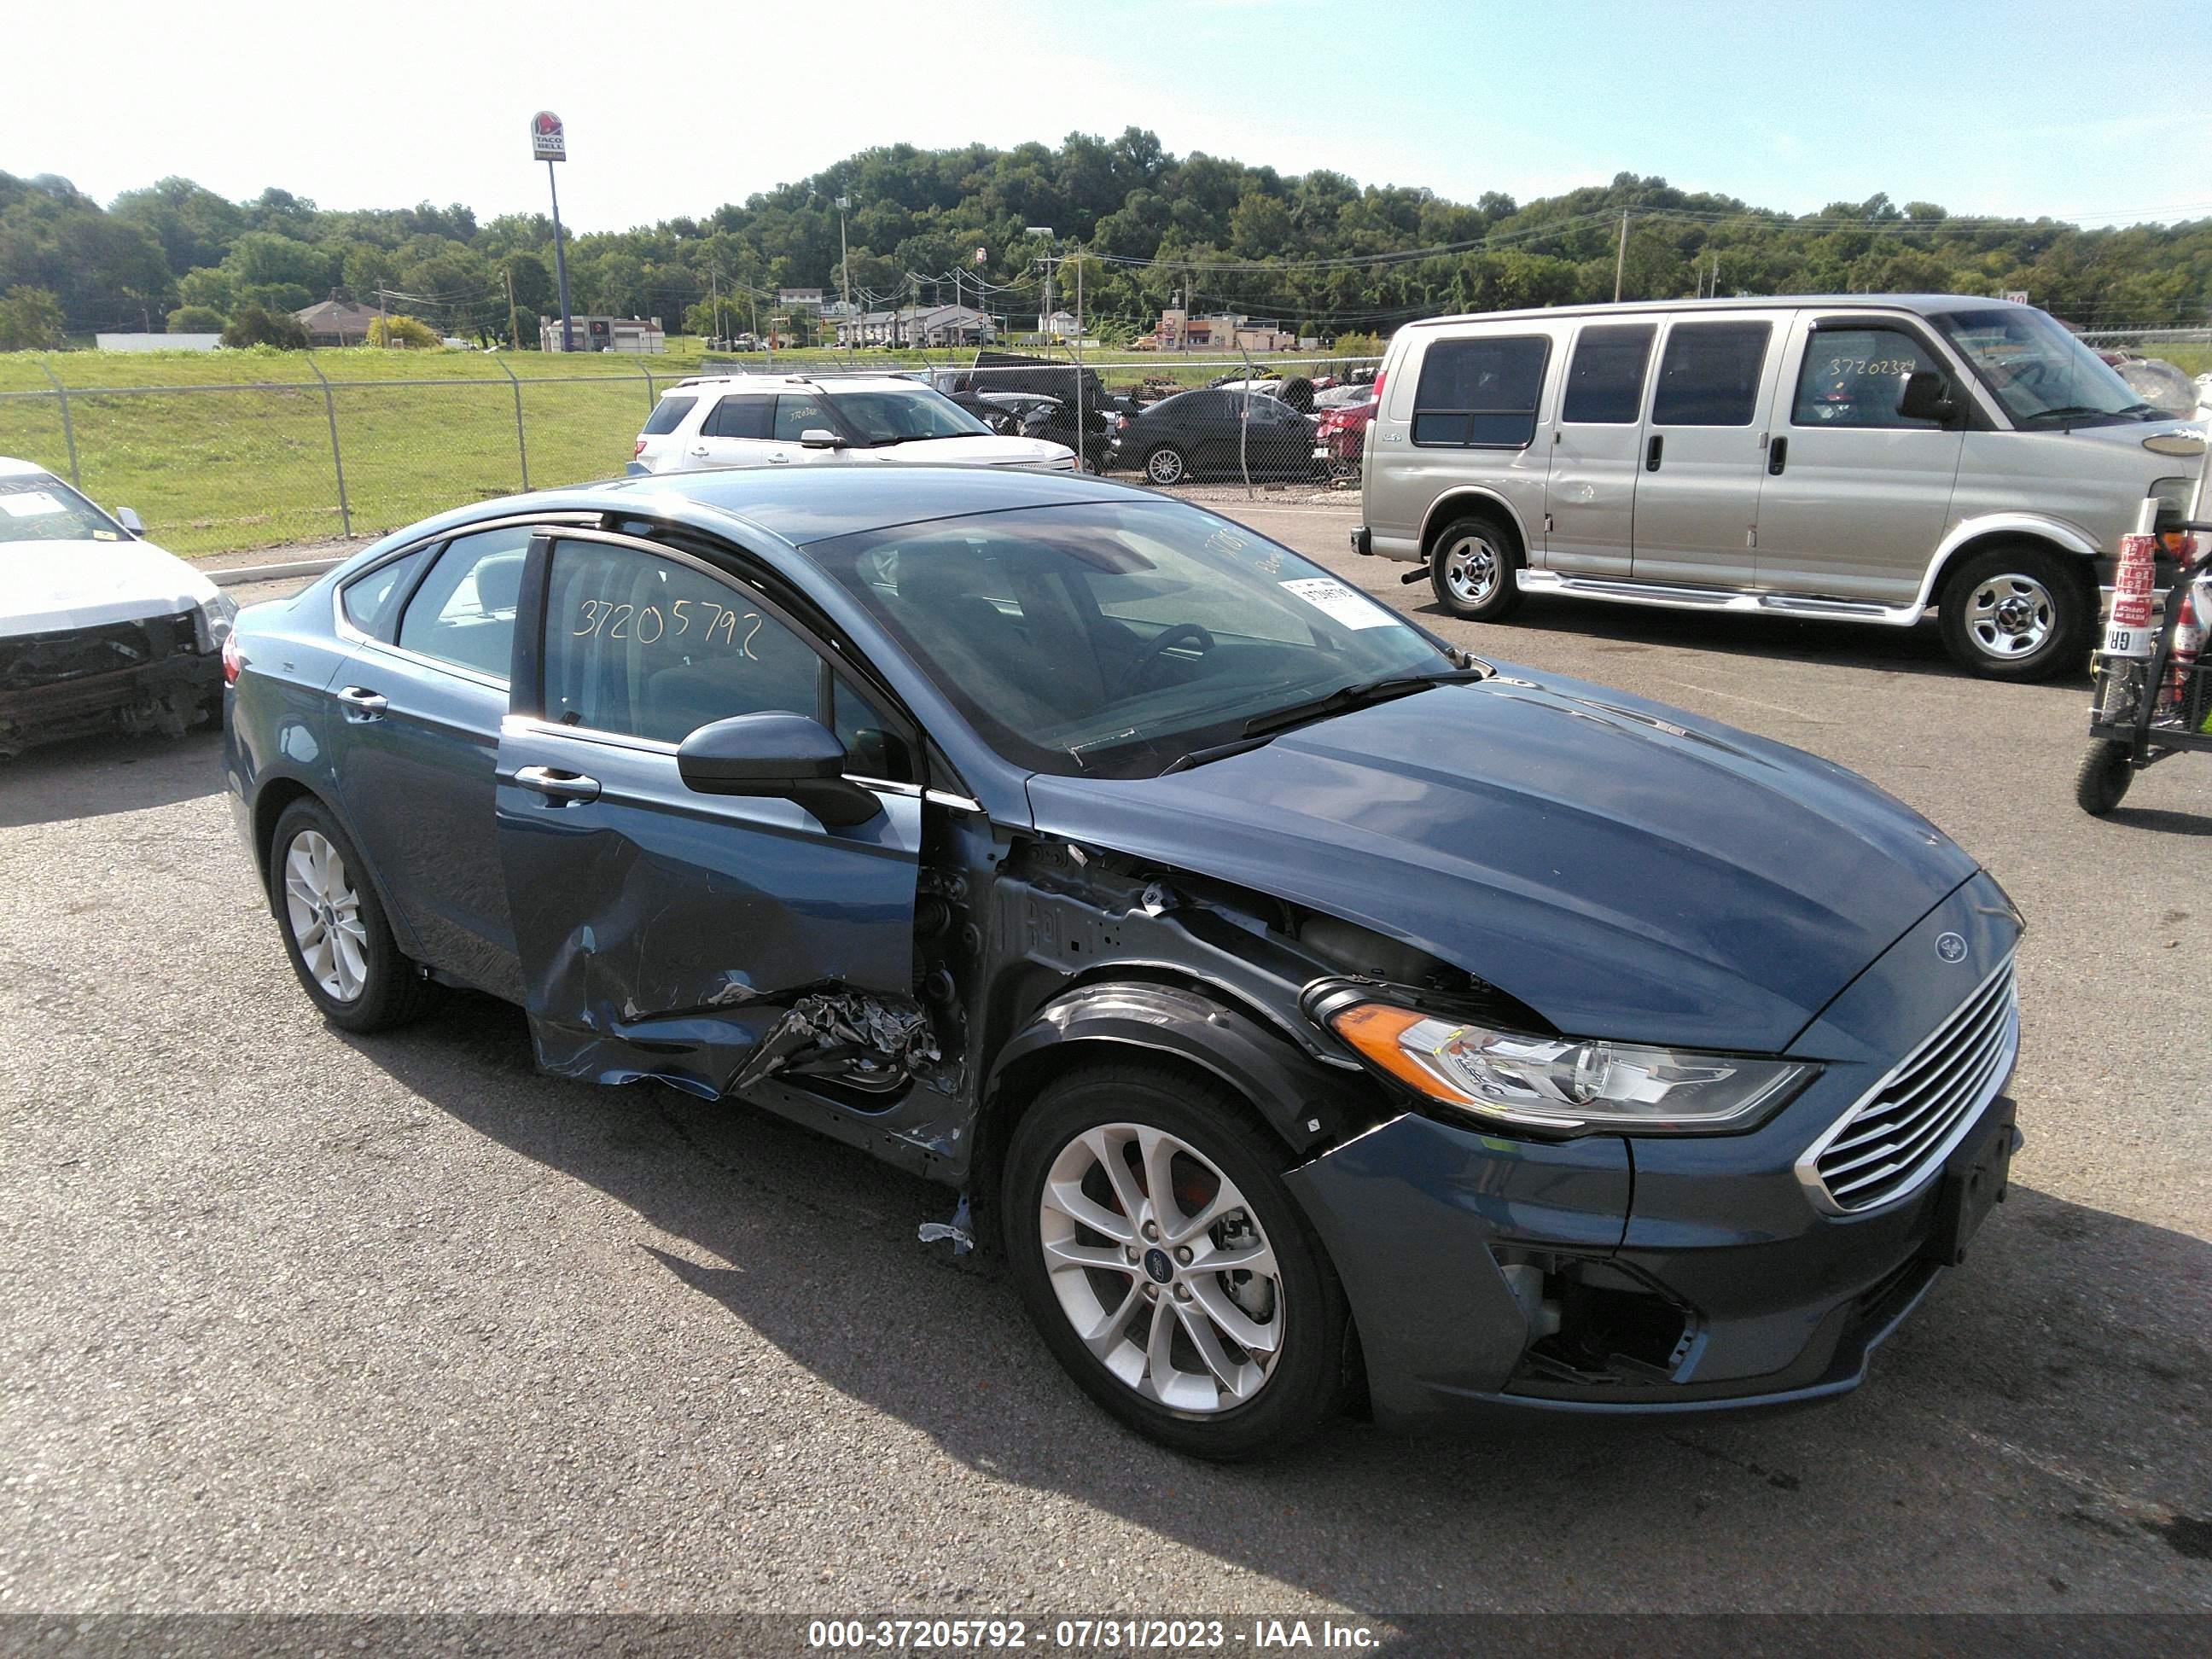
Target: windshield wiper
{"x":2072,"y":412}
{"x":1262,"y":729}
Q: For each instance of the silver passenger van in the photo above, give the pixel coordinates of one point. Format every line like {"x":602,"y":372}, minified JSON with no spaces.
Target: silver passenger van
{"x":1858,"y":458}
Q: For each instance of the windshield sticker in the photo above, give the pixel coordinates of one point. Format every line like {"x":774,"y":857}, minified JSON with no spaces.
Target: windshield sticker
{"x":1340,"y":604}
{"x":32,"y":504}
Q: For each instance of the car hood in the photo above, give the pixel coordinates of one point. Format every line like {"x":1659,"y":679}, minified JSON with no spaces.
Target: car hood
{"x":1627,"y":869}
{"x":46,"y":587}
{"x":992,"y":451}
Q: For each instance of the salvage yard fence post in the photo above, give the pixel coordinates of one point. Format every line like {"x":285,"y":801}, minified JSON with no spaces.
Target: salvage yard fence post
{"x":68,"y":429}
{"x":331,"y":411}
{"x":522,"y":443}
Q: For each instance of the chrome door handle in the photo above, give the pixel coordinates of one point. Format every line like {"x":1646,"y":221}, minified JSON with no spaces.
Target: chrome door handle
{"x":362,"y":704}
{"x":557,"y":786}
{"x":778,"y":459}
{"x":699,"y":449}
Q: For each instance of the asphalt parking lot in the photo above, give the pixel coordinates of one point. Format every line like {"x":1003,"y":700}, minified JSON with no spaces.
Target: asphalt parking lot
{"x":296,"y":1321}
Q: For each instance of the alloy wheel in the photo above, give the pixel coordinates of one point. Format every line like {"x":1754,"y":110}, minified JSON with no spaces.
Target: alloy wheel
{"x":1164,"y":466}
{"x":1162,"y":1267}
{"x":324,"y":911}
{"x":2010,"y":617}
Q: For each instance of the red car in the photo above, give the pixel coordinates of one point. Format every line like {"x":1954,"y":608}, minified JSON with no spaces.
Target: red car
{"x":1340,"y":436}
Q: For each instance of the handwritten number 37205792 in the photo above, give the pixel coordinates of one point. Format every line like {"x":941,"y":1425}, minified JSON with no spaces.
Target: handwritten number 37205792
{"x":648,"y":624}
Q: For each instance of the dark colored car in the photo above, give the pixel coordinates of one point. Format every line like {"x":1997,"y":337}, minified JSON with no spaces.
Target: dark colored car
{"x":1208,"y":433}
{"x":1312,"y":1012}
{"x":1031,"y":415}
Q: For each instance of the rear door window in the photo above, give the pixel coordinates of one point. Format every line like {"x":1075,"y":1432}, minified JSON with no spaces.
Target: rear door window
{"x":1710,"y":375}
{"x":741,"y":417}
{"x":667,"y":414}
{"x":1605,"y":381}
{"x":463,"y":611}
{"x":1480,"y":393}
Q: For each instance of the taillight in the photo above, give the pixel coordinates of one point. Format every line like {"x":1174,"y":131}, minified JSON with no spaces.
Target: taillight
{"x":639,"y":451}
{"x":1378,"y":391}
{"x":231,"y":662}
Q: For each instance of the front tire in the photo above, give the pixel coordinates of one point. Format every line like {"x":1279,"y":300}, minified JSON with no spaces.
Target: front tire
{"x":1166,"y":465}
{"x":1472,"y":563}
{"x":2103,"y":777}
{"x":334,"y":932}
{"x":2018,"y":613}
{"x":1168,"y":1267}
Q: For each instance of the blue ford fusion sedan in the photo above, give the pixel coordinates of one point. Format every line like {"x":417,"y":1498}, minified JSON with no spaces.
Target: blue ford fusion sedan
{"x":1316,"y":1016}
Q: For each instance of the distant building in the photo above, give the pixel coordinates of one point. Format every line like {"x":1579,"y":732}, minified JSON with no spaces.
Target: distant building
{"x":1226,"y":331}
{"x":640,"y":336}
{"x":157,"y":342}
{"x":790,"y":297}
{"x":336,"y":322}
{"x":1062,"y":325}
{"x":919,"y":325}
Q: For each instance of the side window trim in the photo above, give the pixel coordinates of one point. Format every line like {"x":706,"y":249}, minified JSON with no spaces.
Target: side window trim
{"x":527,"y":697}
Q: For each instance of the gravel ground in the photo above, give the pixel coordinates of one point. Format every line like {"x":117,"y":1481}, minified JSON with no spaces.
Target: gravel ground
{"x":298,"y":1321}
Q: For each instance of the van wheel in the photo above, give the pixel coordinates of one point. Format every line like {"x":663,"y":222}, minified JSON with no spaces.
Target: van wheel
{"x":2103,"y":777}
{"x":1471,"y":566}
{"x":2018,"y":613}
{"x":1166,"y":1265}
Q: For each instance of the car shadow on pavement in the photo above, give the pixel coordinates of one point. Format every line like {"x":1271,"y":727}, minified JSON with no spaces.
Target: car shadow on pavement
{"x":90,"y":777}
{"x":1625,"y":628}
{"x":2159,"y":818}
{"x":2026,"y":1442}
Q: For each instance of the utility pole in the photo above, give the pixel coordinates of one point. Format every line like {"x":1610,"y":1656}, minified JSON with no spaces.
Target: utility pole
{"x":715,"y":298}
{"x":1044,"y":317}
{"x":845,"y":269}
{"x":513,"y":324}
{"x":1620,"y":258}
{"x":383,"y":329}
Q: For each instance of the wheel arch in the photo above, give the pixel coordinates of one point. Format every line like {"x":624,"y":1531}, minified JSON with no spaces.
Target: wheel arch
{"x":282,"y":791}
{"x":1457,"y":501}
{"x":1994,"y":529}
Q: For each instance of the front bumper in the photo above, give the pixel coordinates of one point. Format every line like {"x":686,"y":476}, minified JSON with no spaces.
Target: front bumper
{"x":1662,"y":1274}
{"x":164,"y":696}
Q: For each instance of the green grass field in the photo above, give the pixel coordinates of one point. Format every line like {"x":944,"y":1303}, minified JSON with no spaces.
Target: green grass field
{"x":231,"y":450}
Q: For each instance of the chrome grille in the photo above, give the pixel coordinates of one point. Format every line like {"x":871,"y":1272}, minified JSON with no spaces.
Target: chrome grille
{"x":1893,"y":1140}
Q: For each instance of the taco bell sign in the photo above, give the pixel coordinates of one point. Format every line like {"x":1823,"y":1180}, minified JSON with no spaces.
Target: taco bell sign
{"x":549,"y":142}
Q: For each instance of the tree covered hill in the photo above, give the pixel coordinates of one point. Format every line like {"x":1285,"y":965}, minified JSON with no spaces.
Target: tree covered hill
{"x":1317,"y":250}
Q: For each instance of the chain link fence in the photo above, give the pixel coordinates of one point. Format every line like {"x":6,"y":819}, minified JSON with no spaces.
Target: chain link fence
{"x":306,"y":447}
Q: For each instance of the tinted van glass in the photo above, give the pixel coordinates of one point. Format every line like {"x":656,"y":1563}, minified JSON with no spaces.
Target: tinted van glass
{"x":1480,"y":393}
{"x":1710,"y":375}
{"x":1605,"y":381}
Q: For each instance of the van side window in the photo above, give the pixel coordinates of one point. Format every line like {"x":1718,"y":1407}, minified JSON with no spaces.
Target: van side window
{"x":1605,"y":382}
{"x":1480,"y":393}
{"x":1710,"y":375}
{"x":1854,"y":377}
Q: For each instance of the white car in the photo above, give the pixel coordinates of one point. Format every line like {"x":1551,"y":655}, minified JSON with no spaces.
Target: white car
{"x":99,"y":629}
{"x":782,"y":420}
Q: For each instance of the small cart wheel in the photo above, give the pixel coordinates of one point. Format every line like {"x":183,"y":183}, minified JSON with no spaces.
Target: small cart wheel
{"x":2106,"y":773}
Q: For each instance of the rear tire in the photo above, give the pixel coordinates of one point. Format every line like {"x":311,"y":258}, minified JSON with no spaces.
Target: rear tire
{"x":1472,"y":566}
{"x":334,"y":929}
{"x":2103,"y":777}
{"x":1159,"y":1344}
{"x":2019,"y":612}
{"x":1166,"y":465}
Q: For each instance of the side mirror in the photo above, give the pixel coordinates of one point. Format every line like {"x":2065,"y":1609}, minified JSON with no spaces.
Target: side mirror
{"x":777,"y":755}
{"x":1927,"y":397}
{"x":818,"y":437}
{"x":129,"y":519}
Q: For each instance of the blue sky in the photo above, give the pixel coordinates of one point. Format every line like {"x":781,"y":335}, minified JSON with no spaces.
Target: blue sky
{"x":672,"y":108}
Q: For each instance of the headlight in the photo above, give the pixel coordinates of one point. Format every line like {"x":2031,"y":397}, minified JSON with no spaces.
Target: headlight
{"x":1565,"y":1085}
{"x":211,"y":621}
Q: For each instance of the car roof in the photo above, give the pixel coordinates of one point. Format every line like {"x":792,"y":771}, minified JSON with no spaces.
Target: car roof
{"x":692,"y":385}
{"x":1922,"y":303}
{"x":815,"y":503}
{"x":10,"y":467}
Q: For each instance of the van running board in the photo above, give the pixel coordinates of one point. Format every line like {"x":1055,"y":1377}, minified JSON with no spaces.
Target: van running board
{"x":1718,"y":599}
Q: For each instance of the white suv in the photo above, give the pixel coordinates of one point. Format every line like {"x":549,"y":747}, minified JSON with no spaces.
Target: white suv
{"x":778,"y":420}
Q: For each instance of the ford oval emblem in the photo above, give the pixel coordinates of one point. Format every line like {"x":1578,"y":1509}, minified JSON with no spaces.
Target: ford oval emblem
{"x":1950,"y":947}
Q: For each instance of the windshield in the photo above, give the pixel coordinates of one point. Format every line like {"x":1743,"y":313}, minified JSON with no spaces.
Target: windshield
{"x":36,"y":507}
{"x":1113,"y":638}
{"x":897,"y":417}
{"x":2041,"y":373}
